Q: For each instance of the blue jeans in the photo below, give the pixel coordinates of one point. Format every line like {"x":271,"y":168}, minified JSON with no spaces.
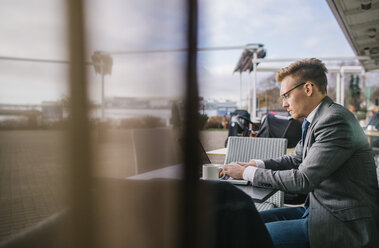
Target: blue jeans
{"x":288,"y":227}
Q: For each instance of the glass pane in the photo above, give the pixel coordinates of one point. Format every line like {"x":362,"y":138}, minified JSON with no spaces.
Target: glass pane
{"x":136,"y":48}
{"x":33,"y":89}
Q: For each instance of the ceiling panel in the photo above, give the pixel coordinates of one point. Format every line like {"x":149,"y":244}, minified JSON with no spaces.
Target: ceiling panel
{"x":361,"y":28}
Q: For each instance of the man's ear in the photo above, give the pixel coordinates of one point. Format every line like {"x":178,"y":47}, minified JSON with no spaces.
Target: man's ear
{"x":309,"y":89}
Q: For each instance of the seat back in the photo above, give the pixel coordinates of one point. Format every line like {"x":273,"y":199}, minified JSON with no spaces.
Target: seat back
{"x":155,"y":148}
{"x":292,"y":133}
{"x":49,"y":232}
{"x":276,"y":126}
{"x":243,"y":149}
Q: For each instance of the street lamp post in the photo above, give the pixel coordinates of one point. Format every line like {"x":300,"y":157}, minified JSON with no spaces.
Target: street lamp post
{"x":102,"y":63}
{"x":102,"y":93}
{"x":249,"y":61}
{"x":254,"y":113}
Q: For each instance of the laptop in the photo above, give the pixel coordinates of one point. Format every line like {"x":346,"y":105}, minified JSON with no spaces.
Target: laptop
{"x":205,"y":160}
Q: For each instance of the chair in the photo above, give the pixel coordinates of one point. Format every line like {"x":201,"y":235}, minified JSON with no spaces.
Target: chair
{"x":292,"y":133}
{"x":50,"y":232}
{"x":243,"y":149}
{"x":276,"y":126}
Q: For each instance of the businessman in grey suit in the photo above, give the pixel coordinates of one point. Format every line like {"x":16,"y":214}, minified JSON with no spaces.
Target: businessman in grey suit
{"x":333,"y":163}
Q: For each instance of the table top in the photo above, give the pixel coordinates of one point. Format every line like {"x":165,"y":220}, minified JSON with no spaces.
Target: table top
{"x":372,"y":133}
{"x":258,"y":194}
{"x":175,"y":172}
{"x":221,"y":151}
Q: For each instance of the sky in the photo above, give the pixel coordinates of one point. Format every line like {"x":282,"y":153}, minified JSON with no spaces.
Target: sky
{"x":37,"y":29}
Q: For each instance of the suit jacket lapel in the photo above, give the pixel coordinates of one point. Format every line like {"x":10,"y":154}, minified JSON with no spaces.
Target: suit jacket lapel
{"x":325,"y":103}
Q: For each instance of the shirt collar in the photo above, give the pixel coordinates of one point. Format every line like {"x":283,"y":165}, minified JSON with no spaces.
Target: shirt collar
{"x":311,"y":116}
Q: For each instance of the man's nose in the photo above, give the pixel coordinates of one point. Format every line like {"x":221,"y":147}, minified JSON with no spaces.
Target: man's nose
{"x":285,"y":104}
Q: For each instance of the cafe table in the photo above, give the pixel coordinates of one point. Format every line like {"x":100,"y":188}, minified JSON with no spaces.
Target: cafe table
{"x":218,"y":152}
{"x":370,"y":134}
{"x":258,"y":194}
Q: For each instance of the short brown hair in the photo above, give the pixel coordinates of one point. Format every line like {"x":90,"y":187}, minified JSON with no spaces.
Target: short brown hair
{"x":306,"y":70}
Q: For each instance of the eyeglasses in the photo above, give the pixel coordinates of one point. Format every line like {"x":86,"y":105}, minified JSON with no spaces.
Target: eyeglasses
{"x":285,"y":96}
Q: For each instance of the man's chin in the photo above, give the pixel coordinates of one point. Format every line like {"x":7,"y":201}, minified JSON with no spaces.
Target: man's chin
{"x":294,"y":116}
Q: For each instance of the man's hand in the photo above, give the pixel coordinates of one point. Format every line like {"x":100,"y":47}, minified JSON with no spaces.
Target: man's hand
{"x":235,"y":169}
{"x":250,"y":163}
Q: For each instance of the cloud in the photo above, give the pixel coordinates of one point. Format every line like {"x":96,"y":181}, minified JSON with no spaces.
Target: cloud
{"x":33,"y":28}
{"x":27,"y":82}
{"x":311,"y":42}
{"x":154,"y":75}
{"x":287,"y":28}
{"x":222,"y":21}
{"x":119,"y":25}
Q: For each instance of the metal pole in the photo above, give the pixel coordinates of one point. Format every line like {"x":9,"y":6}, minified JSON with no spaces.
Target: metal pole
{"x":249,"y":95}
{"x":102,"y":93}
{"x":342,"y":86}
{"x":254,"y":113}
{"x":240,"y":89}
{"x":320,"y":58}
{"x":338,"y":88}
{"x":363,"y":91}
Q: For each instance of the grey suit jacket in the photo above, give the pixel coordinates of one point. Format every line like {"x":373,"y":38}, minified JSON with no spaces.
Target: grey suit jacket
{"x":337,"y":169}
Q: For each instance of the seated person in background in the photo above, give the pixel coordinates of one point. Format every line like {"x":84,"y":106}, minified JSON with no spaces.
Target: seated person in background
{"x":352,"y":109}
{"x":370,"y":113}
{"x":374,"y":124}
{"x":332,"y":162}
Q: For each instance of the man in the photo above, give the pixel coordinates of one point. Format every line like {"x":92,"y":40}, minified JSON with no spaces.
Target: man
{"x":332,"y":162}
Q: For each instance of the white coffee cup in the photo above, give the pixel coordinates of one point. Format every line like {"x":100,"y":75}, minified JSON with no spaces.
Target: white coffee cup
{"x":212,"y":171}
{"x":371,"y":128}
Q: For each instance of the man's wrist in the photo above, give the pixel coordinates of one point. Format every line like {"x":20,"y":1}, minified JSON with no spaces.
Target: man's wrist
{"x":248,"y":173}
{"x":259,"y":163}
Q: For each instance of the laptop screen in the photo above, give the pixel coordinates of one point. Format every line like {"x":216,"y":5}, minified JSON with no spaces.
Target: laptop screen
{"x":203,"y":155}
